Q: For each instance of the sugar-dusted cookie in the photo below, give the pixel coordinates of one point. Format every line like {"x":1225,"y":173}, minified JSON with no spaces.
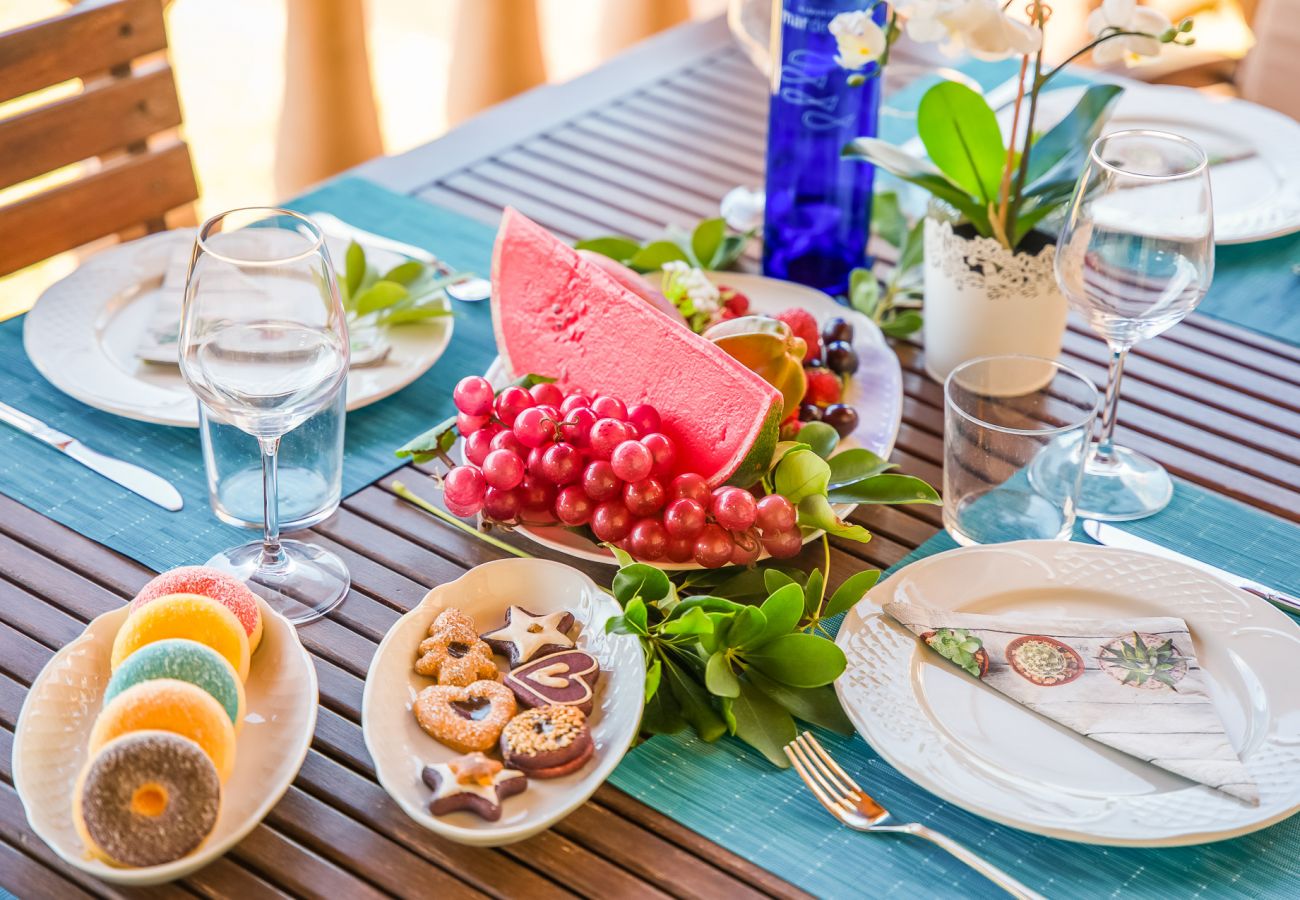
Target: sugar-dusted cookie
{"x":465,"y":718}
{"x":525,"y":635}
{"x":453,"y":653}
{"x":548,"y":741}
{"x":567,"y":678}
{"x":473,"y":782}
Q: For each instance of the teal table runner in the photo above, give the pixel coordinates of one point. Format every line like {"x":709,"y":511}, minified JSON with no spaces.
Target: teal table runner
{"x":732,"y":796}
{"x":47,"y":481}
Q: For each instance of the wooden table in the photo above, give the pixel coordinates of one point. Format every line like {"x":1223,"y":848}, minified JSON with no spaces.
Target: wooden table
{"x":656,"y":136}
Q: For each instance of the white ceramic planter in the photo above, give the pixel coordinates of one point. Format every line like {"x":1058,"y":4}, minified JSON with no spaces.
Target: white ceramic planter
{"x":983,"y":300}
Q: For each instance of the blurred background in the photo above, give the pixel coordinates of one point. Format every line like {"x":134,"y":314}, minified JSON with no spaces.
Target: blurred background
{"x":279,"y":94}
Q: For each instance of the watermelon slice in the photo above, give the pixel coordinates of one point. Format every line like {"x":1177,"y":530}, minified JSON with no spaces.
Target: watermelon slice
{"x":559,"y":315}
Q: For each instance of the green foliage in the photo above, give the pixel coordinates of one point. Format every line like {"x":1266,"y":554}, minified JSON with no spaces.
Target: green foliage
{"x":408,"y":292}
{"x":892,"y":302}
{"x":708,"y":246}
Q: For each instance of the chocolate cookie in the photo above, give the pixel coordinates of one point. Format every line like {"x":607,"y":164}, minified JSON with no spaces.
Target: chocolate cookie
{"x":567,"y":678}
{"x":454,"y":654}
{"x":465,"y":718}
{"x":473,"y":782}
{"x":525,"y":635}
{"x":548,"y":741}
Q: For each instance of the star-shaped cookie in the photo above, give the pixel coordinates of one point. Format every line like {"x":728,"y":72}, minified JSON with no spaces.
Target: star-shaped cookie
{"x":525,"y":635}
{"x":472,"y":782}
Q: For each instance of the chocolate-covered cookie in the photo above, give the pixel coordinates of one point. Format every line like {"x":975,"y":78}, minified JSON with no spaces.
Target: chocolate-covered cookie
{"x":465,"y":718}
{"x":525,"y":635}
{"x":567,"y":678}
{"x":548,"y":741}
{"x":474,"y":783}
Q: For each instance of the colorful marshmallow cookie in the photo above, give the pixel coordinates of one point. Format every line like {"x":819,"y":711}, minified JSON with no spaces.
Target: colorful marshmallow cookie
{"x":465,"y":718}
{"x":214,"y":584}
{"x":525,"y":635}
{"x":190,"y":616}
{"x":165,"y":704}
{"x":567,"y":678}
{"x":474,"y":783}
{"x":453,"y":653}
{"x":548,"y":741}
{"x":183,"y":660}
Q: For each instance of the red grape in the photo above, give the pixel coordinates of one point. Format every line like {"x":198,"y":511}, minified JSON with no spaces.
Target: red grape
{"x":464,"y":486}
{"x":690,"y":486}
{"x":576,"y":427}
{"x":536,"y":494}
{"x":463,"y":511}
{"x":552,"y":412}
{"x":775,"y":514}
{"x":503,"y":469}
{"x":533,"y":463}
{"x":561,"y":463}
{"x":681,"y":549}
{"x":467,"y":424}
{"x":664,"y":451}
{"x":783,"y":544}
{"x":609,"y":408}
{"x":611,"y":521}
{"x":501,"y":506}
{"x":747,"y":548}
{"x":644,"y":497}
{"x":632,"y":460}
{"x":645,"y":417}
{"x":599,"y":481}
{"x":473,"y":395}
{"x":684,"y":518}
{"x":648,"y":539}
{"x":573,"y":506}
{"x":606,"y":434}
{"x":511,"y":402}
{"x":507,"y":440}
{"x":533,"y":427}
{"x":478,"y":445}
{"x":546,"y":394}
{"x":734,"y":508}
{"x":575,"y":401}
{"x":713,"y":547}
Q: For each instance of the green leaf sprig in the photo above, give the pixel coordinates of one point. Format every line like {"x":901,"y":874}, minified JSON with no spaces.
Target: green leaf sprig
{"x":709,"y":245}
{"x":409,"y":292}
{"x":894,"y":300}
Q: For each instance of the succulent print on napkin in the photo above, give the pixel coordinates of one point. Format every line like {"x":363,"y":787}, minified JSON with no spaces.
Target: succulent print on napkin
{"x":1148,"y":661}
{"x":1044,"y":660}
{"x":960,"y":646}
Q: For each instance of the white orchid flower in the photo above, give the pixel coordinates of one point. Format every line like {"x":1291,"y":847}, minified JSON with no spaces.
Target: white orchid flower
{"x":979,"y":26}
{"x":1126,"y":15}
{"x":859,"y":41}
{"x":742,"y":208}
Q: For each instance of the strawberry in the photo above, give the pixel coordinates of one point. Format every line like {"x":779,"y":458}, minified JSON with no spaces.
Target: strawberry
{"x":803,"y":325}
{"x":734,"y":302}
{"x":824,"y":387}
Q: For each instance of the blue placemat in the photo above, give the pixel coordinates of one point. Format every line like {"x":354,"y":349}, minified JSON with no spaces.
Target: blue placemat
{"x":732,"y":796}
{"x":1254,"y":285}
{"x":45,"y":480}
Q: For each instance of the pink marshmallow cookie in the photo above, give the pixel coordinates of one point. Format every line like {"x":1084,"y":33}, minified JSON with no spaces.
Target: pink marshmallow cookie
{"x":226,"y":589}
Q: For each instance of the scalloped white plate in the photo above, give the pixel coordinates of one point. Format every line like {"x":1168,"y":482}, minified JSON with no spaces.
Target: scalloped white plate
{"x":57,"y":715}
{"x":401,"y":749}
{"x":975,"y":748}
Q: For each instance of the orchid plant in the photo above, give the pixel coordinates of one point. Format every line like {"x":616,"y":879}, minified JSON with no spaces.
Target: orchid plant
{"x":1002,"y":189}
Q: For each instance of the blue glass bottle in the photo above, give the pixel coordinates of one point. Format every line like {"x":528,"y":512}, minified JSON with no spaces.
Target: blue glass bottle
{"x":818,"y":206}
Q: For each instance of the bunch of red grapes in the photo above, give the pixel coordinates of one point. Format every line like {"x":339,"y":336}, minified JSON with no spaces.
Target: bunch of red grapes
{"x":537,"y":456}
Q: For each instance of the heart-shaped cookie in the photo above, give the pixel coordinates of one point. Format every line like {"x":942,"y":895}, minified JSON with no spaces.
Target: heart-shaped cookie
{"x":465,"y":718}
{"x":567,"y":678}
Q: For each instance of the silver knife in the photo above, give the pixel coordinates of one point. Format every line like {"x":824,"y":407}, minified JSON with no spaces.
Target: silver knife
{"x":1111,"y":536}
{"x":151,"y":487}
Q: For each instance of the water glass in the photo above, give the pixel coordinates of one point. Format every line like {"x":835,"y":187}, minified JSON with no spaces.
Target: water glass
{"x":1001,"y":415}
{"x":310,"y":463}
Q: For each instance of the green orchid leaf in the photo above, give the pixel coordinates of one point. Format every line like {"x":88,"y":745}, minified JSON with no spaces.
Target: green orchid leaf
{"x":619,"y":248}
{"x":730,"y":250}
{"x":652,"y":256}
{"x":854,"y":465}
{"x":816,"y":512}
{"x":799,"y":660}
{"x":887,"y":218}
{"x":1060,"y":152}
{"x":696,"y":705}
{"x":820,"y":437}
{"x":405,"y":273}
{"x":380,"y":295}
{"x":639,"y":579}
{"x":782,"y":609}
{"x":354,"y":268}
{"x":801,"y":473}
{"x":695,"y":621}
{"x":438,"y":439}
{"x":719,"y":677}
{"x":864,"y":292}
{"x":886,"y":488}
{"x":706,"y":240}
{"x":902,"y":325}
{"x":851,"y":591}
{"x":921,"y":173}
{"x":817,"y":706}
{"x":762,"y":723}
{"x":748,"y":627}
{"x":961,"y":136}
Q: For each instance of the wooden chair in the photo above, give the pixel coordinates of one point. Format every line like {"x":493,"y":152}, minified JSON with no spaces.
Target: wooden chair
{"x":131,"y":182}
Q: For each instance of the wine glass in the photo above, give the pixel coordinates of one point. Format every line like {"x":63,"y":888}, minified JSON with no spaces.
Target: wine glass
{"x":264,"y":345}
{"x":1135,"y":256}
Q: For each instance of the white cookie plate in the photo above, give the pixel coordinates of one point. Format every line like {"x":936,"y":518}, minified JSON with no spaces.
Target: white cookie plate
{"x":401,"y":749}
{"x":54,"y":728}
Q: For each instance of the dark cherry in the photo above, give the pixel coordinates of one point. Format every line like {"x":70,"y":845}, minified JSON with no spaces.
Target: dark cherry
{"x":814,"y":363}
{"x":842,"y":417}
{"x":837,"y":329}
{"x":841,"y":358}
{"x":809,"y":412}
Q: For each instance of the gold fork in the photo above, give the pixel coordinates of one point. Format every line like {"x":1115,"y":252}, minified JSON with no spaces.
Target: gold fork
{"x":852,"y":806}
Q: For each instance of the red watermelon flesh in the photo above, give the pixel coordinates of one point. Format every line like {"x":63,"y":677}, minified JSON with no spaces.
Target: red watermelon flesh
{"x":559,"y":315}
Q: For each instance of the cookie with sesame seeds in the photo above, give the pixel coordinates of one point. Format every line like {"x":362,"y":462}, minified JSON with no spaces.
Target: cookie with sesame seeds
{"x":547,"y":741}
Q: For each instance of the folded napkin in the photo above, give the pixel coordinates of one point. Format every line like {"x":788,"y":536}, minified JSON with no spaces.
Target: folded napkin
{"x":1131,"y":684}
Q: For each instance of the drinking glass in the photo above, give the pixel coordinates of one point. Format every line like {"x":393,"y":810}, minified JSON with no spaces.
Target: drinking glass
{"x":1135,"y":256}
{"x":1002,"y":414}
{"x":264,"y":345}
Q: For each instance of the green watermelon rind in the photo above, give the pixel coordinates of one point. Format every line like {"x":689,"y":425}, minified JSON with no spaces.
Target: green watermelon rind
{"x":756,"y":462}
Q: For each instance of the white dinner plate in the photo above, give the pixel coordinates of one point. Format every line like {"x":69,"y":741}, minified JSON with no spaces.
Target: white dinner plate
{"x":1255,"y":198}
{"x":401,"y":749}
{"x":875,"y":391}
{"x":60,"y":709}
{"x":83,"y":332}
{"x":979,"y":750}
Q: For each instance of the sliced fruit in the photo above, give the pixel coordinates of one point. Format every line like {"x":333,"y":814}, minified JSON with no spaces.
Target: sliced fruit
{"x":769,"y":348}
{"x":824,"y":387}
{"x":803,"y":324}
{"x":557,"y":314}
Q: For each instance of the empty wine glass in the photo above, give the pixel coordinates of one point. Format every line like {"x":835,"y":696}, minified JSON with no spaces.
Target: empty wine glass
{"x":1135,"y":256}
{"x":264,"y":345}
